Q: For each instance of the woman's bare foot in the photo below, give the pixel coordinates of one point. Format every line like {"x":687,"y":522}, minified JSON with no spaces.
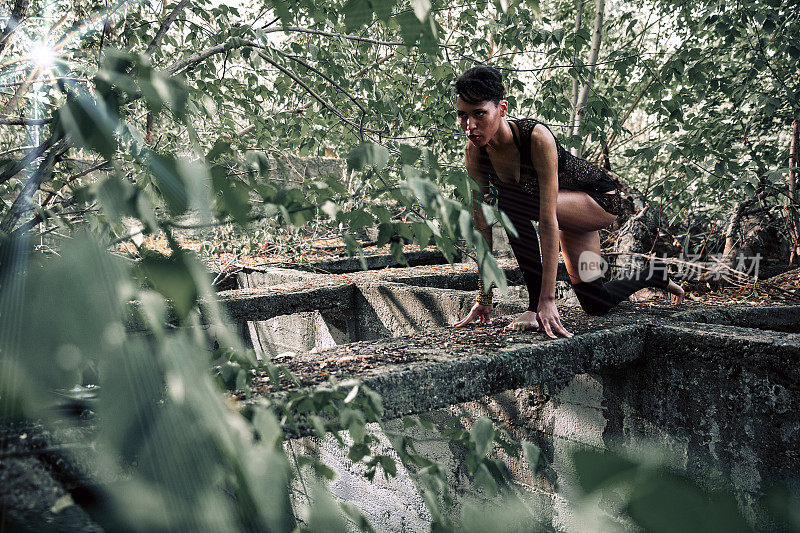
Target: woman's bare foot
{"x":642,"y":295}
{"x":524,"y":322}
{"x":674,"y":293}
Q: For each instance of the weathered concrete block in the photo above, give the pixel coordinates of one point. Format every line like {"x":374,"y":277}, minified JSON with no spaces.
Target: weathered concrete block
{"x":266,"y":303}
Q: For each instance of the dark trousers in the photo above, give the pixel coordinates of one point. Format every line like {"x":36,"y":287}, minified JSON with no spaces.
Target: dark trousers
{"x":596,"y":297}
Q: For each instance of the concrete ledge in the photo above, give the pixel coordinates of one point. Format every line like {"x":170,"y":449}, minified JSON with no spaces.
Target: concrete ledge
{"x":434,"y":377}
{"x":439,"y":367}
{"x":771,"y":354}
{"x":266,"y":303}
{"x":353,"y":264}
{"x":786,"y":319}
{"x":462,"y":276}
{"x":453,"y":380}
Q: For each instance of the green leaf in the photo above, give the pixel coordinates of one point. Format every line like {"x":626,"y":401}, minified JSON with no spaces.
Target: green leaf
{"x":423,"y":233}
{"x":354,"y":513}
{"x":375,"y":401}
{"x":359,"y":218}
{"x":351,"y":395}
{"x":172,"y":278}
{"x":385,"y":233}
{"x":482,"y":436}
{"x":324,"y":514}
{"x":357,"y":452}
{"x":535,"y":7}
{"x":466,"y":226}
{"x":655,"y":499}
{"x":532,"y":455}
{"x":485,"y":481}
{"x":368,"y":155}
{"x":234,"y":195}
{"x":354,"y":421}
{"x":425,"y":190}
{"x":396,"y":248}
{"x":91,"y":123}
{"x":383,"y":8}
{"x":357,"y":13}
{"x":353,"y":248}
{"x":410,"y":28}
{"x":167,"y":177}
{"x":597,"y":469}
{"x":268,"y":427}
{"x":508,"y":225}
{"x":282,"y":10}
{"x":220,"y":147}
{"x":429,"y":40}
{"x":117,"y":197}
{"x":388,"y":464}
{"x":409,"y":422}
{"x":421,"y":9}
{"x":409,"y":154}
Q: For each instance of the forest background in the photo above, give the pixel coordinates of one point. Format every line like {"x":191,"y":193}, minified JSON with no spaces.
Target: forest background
{"x":161,"y":116}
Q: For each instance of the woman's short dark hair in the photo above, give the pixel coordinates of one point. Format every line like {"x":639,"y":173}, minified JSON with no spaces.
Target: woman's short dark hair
{"x":480,"y":84}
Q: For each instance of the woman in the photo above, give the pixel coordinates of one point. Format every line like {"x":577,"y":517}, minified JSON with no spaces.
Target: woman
{"x":536,"y":179}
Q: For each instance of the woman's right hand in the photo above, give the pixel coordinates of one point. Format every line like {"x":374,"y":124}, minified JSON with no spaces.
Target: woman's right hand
{"x":480,"y":312}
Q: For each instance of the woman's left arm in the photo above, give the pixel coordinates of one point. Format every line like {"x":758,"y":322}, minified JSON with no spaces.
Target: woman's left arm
{"x":544,"y":156}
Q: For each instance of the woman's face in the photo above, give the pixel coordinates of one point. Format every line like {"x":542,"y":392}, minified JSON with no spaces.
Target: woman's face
{"x":480,"y":121}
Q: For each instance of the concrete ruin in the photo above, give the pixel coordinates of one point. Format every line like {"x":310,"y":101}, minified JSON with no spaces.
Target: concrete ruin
{"x":717,"y":389}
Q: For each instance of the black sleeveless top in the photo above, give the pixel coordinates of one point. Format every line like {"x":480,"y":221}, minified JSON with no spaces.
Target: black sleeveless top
{"x":574,"y":173}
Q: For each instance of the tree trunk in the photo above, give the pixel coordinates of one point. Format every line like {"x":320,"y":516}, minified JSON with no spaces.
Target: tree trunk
{"x":637,"y":233}
{"x":733,"y":232}
{"x":794,"y":219}
{"x":20,"y":7}
{"x":575,"y":81}
{"x":751,"y":232}
{"x":594,"y":52}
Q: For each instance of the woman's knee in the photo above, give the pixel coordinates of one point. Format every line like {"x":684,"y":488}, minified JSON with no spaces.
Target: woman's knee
{"x":595,"y":309}
{"x":593,"y":297}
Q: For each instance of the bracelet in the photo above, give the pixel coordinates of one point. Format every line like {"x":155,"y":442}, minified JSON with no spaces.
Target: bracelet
{"x":483,"y":297}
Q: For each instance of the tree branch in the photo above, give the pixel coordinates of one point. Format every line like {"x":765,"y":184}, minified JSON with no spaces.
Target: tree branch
{"x":331,"y":34}
{"x":304,"y":107}
{"x":19,"y":121}
{"x":21,"y":203}
{"x":329,"y":80}
{"x":27,"y":160}
{"x":794,"y":219}
{"x":575,"y":80}
{"x":308,"y":89}
{"x":193,"y":60}
{"x":20,"y":7}
{"x":38,"y":218}
{"x":12,"y":103}
{"x":165,"y":26}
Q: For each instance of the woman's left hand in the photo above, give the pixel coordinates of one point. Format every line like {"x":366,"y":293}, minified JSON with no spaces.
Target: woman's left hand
{"x":550,"y":321}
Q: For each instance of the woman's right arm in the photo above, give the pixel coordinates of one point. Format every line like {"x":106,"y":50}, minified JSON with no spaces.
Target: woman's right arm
{"x":482,"y":308}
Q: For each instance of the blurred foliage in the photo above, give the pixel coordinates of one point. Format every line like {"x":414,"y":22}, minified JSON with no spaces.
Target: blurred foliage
{"x":163,"y":116}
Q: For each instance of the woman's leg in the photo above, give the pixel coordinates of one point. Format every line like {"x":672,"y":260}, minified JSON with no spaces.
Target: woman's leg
{"x":579,"y":218}
{"x":595,"y":296}
{"x":525,"y":247}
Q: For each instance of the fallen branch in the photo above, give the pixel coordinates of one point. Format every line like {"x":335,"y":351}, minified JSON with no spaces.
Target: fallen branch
{"x":19,"y":121}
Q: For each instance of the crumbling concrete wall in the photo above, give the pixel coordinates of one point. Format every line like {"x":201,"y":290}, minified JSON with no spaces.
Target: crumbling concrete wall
{"x":723,"y":424}
{"x":326,"y":310}
{"x":716,"y":401}
{"x":722,"y":399}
